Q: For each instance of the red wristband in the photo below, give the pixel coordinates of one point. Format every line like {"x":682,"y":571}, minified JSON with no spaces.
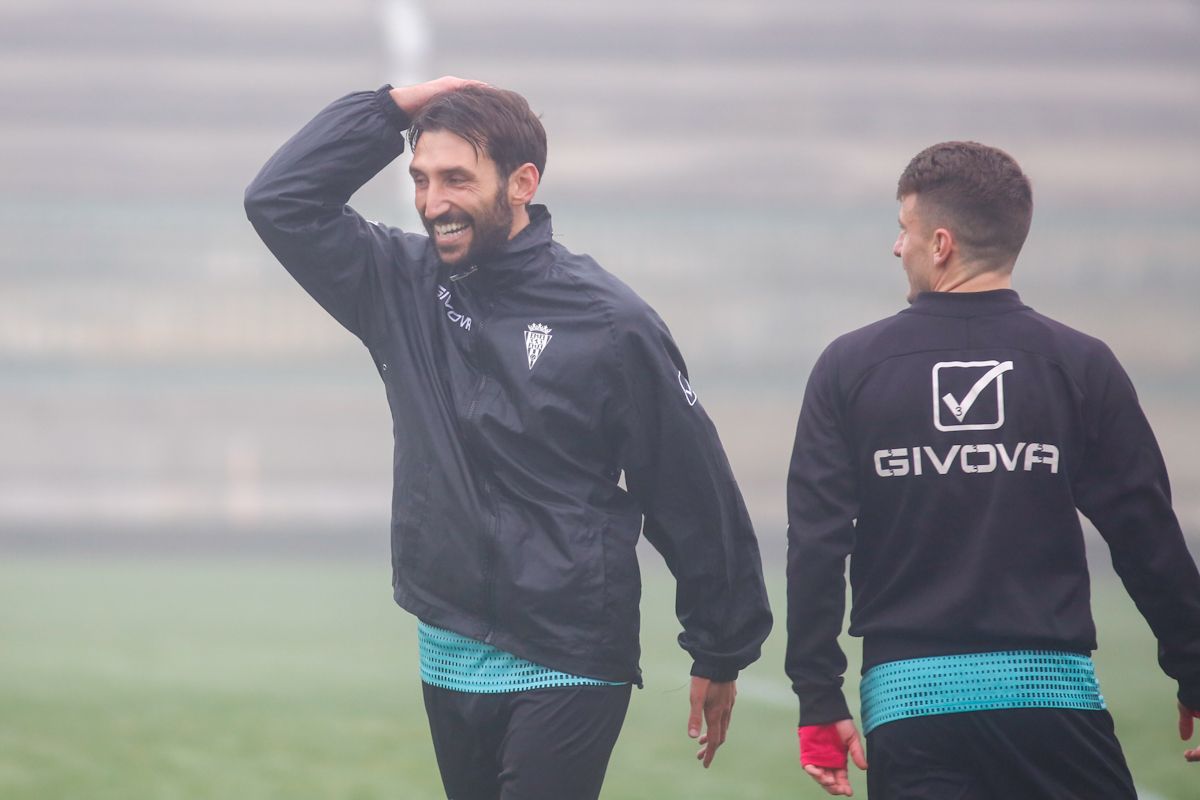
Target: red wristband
{"x":821,"y":746}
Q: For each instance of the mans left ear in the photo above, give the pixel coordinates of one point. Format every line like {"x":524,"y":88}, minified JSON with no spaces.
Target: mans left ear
{"x":943,"y":245}
{"x":523,"y":184}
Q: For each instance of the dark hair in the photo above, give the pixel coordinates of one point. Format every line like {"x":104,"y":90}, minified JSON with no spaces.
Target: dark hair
{"x":498,"y":123}
{"x":977,"y":191}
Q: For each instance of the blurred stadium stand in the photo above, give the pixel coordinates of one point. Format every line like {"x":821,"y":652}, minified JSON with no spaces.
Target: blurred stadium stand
{"x":735,"y":162}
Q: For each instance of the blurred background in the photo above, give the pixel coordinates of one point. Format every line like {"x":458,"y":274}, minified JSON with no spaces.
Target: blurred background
{"x":195,"y":460}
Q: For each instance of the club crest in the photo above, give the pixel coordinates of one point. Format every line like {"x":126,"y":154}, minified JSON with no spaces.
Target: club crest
{"x":536,"y":338}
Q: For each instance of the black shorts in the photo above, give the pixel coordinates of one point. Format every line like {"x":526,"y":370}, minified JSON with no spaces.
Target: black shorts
{"x":542,"y":744}
{"x":1025,"y":753}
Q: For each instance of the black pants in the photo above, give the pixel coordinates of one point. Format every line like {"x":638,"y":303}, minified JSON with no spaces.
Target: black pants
{"x":543,"y":744}
{"x":1025,"y":754}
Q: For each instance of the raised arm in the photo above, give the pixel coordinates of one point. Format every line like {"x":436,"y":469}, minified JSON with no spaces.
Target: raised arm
{"x":298,"y":203}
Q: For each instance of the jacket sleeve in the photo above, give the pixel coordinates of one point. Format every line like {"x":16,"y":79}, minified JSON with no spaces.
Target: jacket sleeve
{"x":676,"y":469}
{"x":822,"y":500}
{"x":298,"y":205}
{"x":1122,"y":487}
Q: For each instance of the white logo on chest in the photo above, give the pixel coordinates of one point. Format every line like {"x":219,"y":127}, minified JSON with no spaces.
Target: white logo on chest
{"x":536,"y":338}
{"x":461,"y":320}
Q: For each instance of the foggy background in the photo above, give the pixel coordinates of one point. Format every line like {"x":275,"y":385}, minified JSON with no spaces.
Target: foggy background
{"x":195,"y":460}
{"x":166,"y":386}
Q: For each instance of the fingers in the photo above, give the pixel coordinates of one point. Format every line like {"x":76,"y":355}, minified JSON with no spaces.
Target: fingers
{"x":718,"y":710}
{"x":451,"y":82}
{"x":834,"y":781}
{"x":710,"y":752}
{"x":1187,"y":723}
{"x":716,"y":717}
{"x":821,"y":775}
{"x":856,"y":752}
{"x":696,"y":699}
{"x":712,"y":706}
{"x":413,"y":98}
{"x":713,"y":738}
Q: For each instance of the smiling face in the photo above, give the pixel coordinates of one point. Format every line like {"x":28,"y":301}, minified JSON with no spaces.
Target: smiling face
{"x":462,"y":201}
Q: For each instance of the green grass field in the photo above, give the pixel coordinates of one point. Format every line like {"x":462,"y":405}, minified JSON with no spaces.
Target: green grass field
{"x":209,"y":678}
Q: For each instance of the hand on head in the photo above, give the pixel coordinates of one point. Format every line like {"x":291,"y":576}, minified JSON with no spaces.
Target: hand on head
{"x":412,"y":99}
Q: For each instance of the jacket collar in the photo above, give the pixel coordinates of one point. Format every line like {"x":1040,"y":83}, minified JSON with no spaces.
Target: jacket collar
{"x":521,"y":257}
{"x":966,"y":304}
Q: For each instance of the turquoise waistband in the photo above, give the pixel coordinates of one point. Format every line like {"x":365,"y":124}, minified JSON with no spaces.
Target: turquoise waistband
{"x":452,"y":661}
{"x":919,"y":687}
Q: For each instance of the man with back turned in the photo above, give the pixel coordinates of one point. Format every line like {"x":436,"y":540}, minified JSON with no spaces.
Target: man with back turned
{"x":946,"y":450}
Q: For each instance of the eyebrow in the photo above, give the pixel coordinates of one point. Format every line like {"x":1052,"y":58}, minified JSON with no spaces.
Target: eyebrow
{"x":414,"y":171}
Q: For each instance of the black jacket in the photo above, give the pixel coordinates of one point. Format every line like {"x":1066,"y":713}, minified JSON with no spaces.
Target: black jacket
{"x":962,"y":434}
{"x":519,"y":393}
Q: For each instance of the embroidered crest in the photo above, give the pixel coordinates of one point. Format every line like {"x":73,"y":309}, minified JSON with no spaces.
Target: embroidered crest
{"x":536,"y":339}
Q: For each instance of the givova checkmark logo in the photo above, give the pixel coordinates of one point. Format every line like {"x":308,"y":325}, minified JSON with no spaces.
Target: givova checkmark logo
{"x":969,"y":395}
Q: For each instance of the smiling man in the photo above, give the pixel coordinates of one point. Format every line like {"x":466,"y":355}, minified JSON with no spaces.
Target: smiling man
{"x":946,"y":450}
{"x":524,"y":381}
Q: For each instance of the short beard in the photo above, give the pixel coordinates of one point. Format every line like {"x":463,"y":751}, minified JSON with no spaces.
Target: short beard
{"x":489,"y":231}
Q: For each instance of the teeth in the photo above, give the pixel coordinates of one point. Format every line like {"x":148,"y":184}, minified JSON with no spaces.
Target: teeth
{"x":449,"y":228}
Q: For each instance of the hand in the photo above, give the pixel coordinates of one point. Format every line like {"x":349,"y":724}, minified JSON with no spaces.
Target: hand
{"x":412,"y":99}
{"x":714,"y":701}
{"x":1187,"y":719}
{"x":837,"y":781}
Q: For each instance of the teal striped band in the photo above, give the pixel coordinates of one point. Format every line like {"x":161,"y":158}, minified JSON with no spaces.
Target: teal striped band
{"x":919,"y":687}
{"x":452,"y":661}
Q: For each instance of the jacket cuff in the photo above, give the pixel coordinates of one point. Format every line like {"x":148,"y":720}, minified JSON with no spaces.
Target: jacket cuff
{"x":713,"y":672}
{"x":394,"y":113}
{"x":1190,"y":697}
{"x":824,"y":708}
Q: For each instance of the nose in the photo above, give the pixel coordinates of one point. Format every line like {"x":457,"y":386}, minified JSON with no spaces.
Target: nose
{"x":896,"y":246}
{"x":434,"y":201}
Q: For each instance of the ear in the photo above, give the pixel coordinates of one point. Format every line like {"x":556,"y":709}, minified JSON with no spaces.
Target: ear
{"x":523,"y":184}
{"x":943,"y":246}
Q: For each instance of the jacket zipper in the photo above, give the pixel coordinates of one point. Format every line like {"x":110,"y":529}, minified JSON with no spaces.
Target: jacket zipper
{"x":493,"y":523}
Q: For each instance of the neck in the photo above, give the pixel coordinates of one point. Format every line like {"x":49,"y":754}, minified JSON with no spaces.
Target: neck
{"x":520,"y":221}
{"x":967,"y":280}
